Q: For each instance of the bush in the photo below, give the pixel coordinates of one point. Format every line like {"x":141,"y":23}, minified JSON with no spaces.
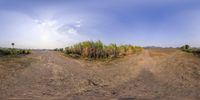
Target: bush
{"x":59,"y":49}
{"x":97,"y":50}
{"x":187,"y":48}
{"x":10,"y":51}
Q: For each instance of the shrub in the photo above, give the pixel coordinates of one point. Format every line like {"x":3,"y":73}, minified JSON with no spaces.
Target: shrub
{"x":59,"y":49}
{"x":187,"y":48}
{"x":12,"y":51}
{"x":27,"y":51}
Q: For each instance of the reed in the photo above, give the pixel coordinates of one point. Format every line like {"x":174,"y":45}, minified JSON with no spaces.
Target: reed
{"x":98,"y":50}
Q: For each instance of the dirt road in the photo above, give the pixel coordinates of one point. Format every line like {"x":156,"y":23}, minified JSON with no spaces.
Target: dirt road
{"x":154,"y":74}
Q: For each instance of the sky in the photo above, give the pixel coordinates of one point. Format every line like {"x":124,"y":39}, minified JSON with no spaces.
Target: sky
{"x":50,"y":24}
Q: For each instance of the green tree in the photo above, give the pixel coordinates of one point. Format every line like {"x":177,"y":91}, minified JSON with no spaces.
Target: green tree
{"x":13,"y":44}
{"x":185,"y":47}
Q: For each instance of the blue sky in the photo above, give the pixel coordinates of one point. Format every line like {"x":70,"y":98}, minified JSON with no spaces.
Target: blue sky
{"x":60,"y":23}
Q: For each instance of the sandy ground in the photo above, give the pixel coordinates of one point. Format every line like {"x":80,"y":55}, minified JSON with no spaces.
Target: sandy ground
{"x":154,"y":74}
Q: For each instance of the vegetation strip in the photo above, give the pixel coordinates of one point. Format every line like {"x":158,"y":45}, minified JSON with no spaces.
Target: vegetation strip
{"x":13,"y":51}
{"x":187,"y":48}
{"x":98,"y":50}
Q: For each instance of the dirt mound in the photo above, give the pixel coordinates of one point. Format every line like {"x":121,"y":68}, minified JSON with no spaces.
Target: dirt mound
{"x":154,"y":74}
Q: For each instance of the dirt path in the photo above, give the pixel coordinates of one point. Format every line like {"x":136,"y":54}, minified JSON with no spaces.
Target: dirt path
{"x":150,"y":75}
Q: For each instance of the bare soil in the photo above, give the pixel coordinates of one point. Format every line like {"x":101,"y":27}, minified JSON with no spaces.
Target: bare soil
{"x":154,"y":74}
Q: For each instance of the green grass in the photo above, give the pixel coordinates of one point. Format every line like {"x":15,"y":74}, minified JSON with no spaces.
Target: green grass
{"x":13,"y":51}
{"x":98,"y":50}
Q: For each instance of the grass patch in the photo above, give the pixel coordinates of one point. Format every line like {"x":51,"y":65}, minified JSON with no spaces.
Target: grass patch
{"x":16,"y":62}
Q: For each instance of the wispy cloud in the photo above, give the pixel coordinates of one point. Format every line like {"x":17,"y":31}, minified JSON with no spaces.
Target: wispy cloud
{"x":37,"y":33}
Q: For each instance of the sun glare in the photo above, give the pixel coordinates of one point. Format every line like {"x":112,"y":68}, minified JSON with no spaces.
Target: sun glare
{"x":44,"y":38}
{"x":46,"y":29}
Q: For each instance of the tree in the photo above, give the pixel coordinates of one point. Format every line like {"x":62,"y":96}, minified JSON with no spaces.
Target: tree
{"x":185,"y":47}
{"x":13,"y":44}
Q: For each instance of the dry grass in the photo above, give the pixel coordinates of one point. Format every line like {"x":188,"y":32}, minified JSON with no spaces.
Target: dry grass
{"x":14,"y":63}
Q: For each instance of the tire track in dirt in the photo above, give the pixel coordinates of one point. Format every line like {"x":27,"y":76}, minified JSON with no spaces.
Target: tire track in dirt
{"x":150,"y":82}
{"x":54,"y":76}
